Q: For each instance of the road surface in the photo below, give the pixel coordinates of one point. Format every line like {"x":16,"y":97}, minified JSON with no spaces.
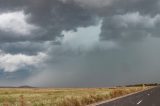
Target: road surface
{"x":149,"y":97}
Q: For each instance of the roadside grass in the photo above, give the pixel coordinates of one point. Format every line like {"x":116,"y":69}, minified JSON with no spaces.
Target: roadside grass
{"x":60,"y":97}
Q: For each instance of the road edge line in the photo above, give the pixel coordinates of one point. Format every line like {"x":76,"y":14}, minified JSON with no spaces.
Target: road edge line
{"x":116,"y":98}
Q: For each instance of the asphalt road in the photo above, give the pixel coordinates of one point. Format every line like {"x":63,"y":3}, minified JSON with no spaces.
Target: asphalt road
{"x":150,"y":97}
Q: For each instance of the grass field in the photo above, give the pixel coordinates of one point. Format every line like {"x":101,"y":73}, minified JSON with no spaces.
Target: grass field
{"x":60,"y":97}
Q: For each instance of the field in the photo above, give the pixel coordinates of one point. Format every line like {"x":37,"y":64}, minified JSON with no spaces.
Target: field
{"x":60,"y":97}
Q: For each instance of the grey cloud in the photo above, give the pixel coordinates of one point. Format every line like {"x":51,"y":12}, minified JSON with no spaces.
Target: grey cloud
{"x":114,"y":26}
{"x":52,"y":17}
{"x":111,"y":26}
{"x":130,"y":27}
{"x":28,"y":48}
{"x":110,"y":7}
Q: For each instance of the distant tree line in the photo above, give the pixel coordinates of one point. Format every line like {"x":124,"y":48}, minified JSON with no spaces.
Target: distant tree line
{"x":137,"y":85}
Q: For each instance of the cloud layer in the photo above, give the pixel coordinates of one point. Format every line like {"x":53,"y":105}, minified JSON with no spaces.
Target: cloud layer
{"x":70,"y":43}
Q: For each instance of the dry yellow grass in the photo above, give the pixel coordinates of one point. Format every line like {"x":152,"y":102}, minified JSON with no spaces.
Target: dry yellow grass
{"x":60,"y":97}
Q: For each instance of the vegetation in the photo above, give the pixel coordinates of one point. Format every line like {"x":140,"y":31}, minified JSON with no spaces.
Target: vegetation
{"x":60,"y":97}
{"x":138,"y":85}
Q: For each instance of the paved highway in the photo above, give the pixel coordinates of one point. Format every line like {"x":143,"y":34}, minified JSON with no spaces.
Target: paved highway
{"x":150,"y":97}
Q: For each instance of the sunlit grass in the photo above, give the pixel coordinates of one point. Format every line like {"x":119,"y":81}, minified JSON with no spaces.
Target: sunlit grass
{"x":60,"y":97}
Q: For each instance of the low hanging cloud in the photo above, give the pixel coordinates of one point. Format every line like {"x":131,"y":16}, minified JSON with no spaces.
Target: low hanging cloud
{"x":16,"y":22}
{"x":11,"y":63}
{"x":27,"y":47}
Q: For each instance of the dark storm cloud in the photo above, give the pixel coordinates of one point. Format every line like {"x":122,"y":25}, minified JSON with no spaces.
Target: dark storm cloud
{"x":54,"y":16}
{"x":112,"y":12}
{"x":130,"y":27}
{"x":125,"y":20}
{"x":111,"y":7}
{"x":51,"y":16}
{"x":28,"y":48}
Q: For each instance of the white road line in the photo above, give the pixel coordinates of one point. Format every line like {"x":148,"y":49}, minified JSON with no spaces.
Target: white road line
{"x":139,"y":102}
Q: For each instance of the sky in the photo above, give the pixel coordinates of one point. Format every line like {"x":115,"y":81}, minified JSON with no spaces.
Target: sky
{"x":79,"y":43}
